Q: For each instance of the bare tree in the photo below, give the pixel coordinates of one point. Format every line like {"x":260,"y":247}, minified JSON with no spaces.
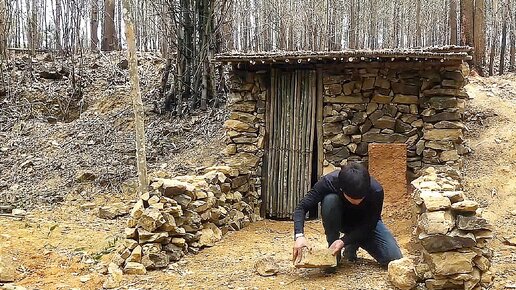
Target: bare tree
{"x":109,"y":41}
{"x":94,"y":24}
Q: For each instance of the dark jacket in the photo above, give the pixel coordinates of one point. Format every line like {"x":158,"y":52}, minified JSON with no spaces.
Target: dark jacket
{"x":358,"y":220}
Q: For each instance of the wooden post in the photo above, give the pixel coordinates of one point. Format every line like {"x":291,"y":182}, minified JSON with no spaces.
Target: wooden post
{"x":139,"y":114}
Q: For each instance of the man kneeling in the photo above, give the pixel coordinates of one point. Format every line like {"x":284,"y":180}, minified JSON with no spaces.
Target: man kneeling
{"x":351,"y":203}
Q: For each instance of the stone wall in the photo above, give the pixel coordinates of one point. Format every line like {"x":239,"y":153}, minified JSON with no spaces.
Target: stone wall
{"x":452,"y":233}
{"x":182,"y":215}
{"x":245,"y":129}
{"x":413,"y":103}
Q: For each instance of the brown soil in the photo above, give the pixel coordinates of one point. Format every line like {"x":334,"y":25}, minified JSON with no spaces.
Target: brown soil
{"x":53,"y":248}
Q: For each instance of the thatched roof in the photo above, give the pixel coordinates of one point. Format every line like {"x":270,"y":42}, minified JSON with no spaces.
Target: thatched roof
{"x":443,"y":53}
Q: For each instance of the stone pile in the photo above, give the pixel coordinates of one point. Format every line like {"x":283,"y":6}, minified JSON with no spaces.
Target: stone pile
{"x":419,"y":106}
{"x":453,"y":234}
{"x":182,"y":215}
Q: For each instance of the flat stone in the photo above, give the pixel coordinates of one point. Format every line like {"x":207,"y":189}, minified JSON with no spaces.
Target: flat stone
{"x":466,"y":206}
{"x":450,"y":155}
{"x":382,"y":82}
{"x":247,"y":106}
{"x":442,"y":283}
{"x":440,"y":103}
{"x":405,"y":89}
{"x":444,"y":116}
{"x":238,"y":126}
{"x":384,"y":138}
{"x":266,"y":267}
{"x":148,"y":237}
{"x":405,"y":99}
{"x":330,"y":129}
{"x":368,"y":83}
{"x":440,"y":145}
{"x":156,"y":260}
{"x":385,"y":122}
{"x":243,"y":161}
{"x":316,"y":258}
{"x":173,"y":187}
{"x":340,"y":139}
{"x":449,"y":263}
{"x":113,"y":211}
{"x":133,"y":268}
{"x":349,"y":129}
{"x":332,"y":89}
{"x":446,"y":92}
{"x":358,"y":118}
{"x":443,"y":134}
{"x":342,"y":99}
{"x":436,"y":202}
{"x":338,"y":154}
{"x":472,"y":223}
{"x":436,"y":222}
{"x":401,"y":273}
{"x":456,"y":239}
{"x":381,"y":99}
{"x":454,"y":196}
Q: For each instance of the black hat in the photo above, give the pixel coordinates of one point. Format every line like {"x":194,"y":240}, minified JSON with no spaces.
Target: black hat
{"x":354,"y":180}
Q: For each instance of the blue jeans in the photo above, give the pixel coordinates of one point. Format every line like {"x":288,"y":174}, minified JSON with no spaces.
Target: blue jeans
{"x":380,"y":244}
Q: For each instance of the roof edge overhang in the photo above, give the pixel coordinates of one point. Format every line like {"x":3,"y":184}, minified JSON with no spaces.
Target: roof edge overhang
{"x":443,"y":53}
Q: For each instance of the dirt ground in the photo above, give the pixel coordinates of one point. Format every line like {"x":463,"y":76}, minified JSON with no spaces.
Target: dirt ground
{"x":65,"y":247}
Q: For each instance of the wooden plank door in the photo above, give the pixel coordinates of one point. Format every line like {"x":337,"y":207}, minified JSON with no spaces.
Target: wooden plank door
{"x":291,"y":130}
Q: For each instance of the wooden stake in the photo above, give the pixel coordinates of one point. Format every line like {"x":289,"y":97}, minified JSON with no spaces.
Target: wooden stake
{"x":136,"y":97}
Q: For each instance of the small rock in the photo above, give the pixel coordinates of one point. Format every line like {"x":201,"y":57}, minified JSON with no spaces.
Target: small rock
{"x":85,"y":278}
{"x":20,"y":212}
{"x":266,"y":267}
{"x":401,"y":273}
{"x":113,"y":211}
{"x":133,"y":268}
{"x":87,"y":206}
{"x":7,"y":270}
{"x":466,"y":206}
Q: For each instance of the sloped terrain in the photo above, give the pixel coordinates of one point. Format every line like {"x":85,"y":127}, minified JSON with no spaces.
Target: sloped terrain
{"x":82,"y":161}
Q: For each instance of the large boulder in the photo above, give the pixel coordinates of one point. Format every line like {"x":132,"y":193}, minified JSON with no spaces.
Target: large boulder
{"x":401,"y":273}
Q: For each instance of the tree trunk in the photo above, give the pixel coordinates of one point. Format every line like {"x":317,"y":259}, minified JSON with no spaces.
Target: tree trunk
{"x":94,"y":24}
{"x":59,"y":47}
{"x":466,"y":22}
{"x":108,"y":35}
{"x":503,"y":46}
{"x":512,"y":39}
{"x":3,"y":30}
{"x":453,"y":22}
{"x":480,"y":36}
{"x":494,"y":39}
{"x":418,"y":23}
{"x":353,"y":26}
{"x":136,"y":97}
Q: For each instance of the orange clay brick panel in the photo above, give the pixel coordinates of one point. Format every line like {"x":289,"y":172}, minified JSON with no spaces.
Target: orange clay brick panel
{"x":388,"y":164}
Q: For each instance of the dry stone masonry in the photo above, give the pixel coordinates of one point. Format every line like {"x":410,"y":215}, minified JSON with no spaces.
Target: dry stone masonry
{"x":453,"y":234}
{"x":245,"y":131}
{"x":182,"y":215}
{"x":421,"y":106}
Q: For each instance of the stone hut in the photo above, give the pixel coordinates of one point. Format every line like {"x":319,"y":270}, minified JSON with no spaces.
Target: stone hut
{"x":296,"y":115}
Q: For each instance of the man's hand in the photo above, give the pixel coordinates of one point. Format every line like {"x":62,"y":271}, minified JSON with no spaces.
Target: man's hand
{"x":297,"y":252}
{"x":336,"y":246}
